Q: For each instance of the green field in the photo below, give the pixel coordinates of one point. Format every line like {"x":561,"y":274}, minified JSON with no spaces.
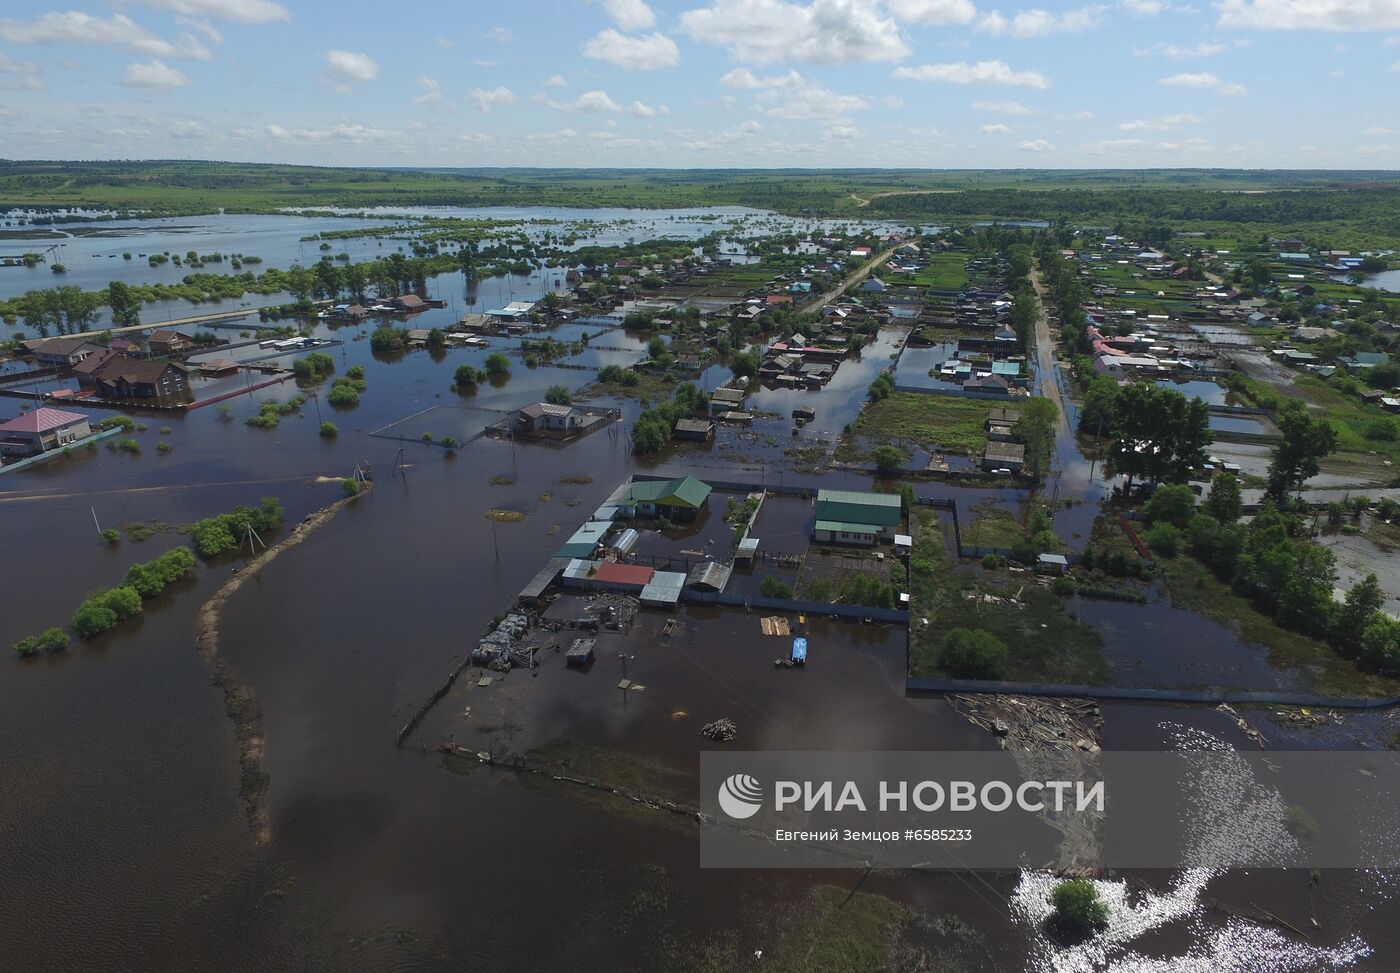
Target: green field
{"x":946,"y":422}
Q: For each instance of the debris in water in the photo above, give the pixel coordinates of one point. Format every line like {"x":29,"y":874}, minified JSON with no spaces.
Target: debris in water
{"x":722,"y":730}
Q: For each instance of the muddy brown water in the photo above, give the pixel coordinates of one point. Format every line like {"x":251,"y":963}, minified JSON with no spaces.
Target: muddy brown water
{"x":124,"y":837}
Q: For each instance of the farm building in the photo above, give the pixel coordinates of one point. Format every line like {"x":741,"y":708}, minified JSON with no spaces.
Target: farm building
{"x":854,"y":517}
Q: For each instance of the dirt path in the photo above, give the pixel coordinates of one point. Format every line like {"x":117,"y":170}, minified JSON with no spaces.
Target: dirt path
{"x":865,"y":200}
{"x":854,"y":277}
{"x":1045,"y":350}
{"x":240,"y":701}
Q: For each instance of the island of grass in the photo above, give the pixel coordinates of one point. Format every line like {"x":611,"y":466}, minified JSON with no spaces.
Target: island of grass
{"x":1045,"y":642}
{"x":947,"y":423}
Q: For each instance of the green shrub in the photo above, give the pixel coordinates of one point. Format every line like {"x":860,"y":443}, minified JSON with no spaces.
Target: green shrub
{"x":466,"y":377}
{"x":163,"y":447}
{"x":125,"y":423}
{"x":971,"y":653}
{"x":349,"y":487}
{"x":772,"y":587}
{"x":110,"y":535}
{"x":128,"y":446}
{"x":387,"y":339}
{"x":214,"y":535}
{"x":1164,"y":538}
{"x":888,"y":459}
{"x":343,"y":394}
{"x":50,"y":640}
{"x":1079,"y":911}
{"x":497,"y":364}
{"x":328,"y":429}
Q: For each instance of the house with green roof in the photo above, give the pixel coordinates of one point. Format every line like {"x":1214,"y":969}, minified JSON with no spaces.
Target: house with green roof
{"x":678,"y":499}
{"x":856,"y":517}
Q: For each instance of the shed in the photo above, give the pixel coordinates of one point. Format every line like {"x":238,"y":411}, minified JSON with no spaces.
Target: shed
{"x":1053,"y":563}
{"x":664,"y":589}
{"x":1004,"y":456}
{"x":694,"y":430}
{"x":856,"y":517}
{"x":710,"y":576}
{"x":584,"y":541}
{"x":624,"y":541}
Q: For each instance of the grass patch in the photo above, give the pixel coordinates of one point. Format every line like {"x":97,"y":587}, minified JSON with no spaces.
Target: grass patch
{"x":576,"y":480}
{"x":993,"y":526}
{"x":504,"y":516}
{"x":946,"y":422}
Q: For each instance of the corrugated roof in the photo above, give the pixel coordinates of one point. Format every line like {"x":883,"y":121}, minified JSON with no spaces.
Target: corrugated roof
{"x":836,"y":526}
{"x":711,"y":574}
{"x":855,"y":507}
{"x":610,"y":572}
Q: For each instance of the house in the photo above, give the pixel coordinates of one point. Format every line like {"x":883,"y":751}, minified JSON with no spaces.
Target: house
{"x":88,"y":367}
{"x":63,"y":352}
{"x":1363,"y":360}
{"x":1259,"y":320}
{"x":42,"y":430}
{"x":127,"y":378}
{"x":1004,"y":456}
{"x":678,"y":499}
{"x":165,"y":341}
{"x":409,"y":304}
{"x":725,"y":399}
{"x":856,"y":517}
{"x":874,"y":285}
{"x":548,"y":417}
{"x":351,"y":312}
{"x":694,"y":431}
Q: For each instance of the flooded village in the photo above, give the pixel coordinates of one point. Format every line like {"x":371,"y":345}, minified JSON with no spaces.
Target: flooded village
{"x":564,"y":498}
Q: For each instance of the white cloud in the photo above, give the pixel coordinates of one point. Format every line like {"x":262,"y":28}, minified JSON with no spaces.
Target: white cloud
{"x":202,"y":26}
{"x":934,"y":11}
{"x":1036,"y":145}
{"x":499,"y":34}
{"x":1376,"y":130}
{"x":821,"y":32}
{"x":1203,"y":79}
{"x":154,"y":75}
{"x":486,"y":100}
{"x":644,"y":53}
{"x":1311,"y":14}
{"x":751,"y":126}
{"x":432,"y":91}
{"x":983,"y":72}
{"x":1204,"y":49}
{"x":841,"y":132}
{"x":120,"y":31}
{"x":345,"y":68}
{"x":557,"y":81}
{"x":630,"y":14}
{"x":1037,"y":23}
{"x":1161,"y":123}
{"x":1147,"y":8}
{"x":243,"y":11}
{"x":588,"y":102}
{"x":793,"y":96}
{"x":647,"y":111}
{"x":1003,"y":107}
{"x":997,"y":129}
{"x":892,"y":101}
{"x":16,"y":75}
{"x":351,"y":132}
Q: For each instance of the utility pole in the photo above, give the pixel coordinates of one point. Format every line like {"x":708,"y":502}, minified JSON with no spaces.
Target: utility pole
{"x":94,"y":519}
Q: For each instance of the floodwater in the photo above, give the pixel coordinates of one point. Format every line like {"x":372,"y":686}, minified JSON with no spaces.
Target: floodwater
{"x":1388,"y":280}
{"x":1248,"y":425}
{"x":1211,"y":393}
{"x":1161,"y":646}
{"x":125,"y":840}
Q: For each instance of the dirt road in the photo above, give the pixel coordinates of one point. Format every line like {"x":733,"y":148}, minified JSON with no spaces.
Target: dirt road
{"x":855,"y":277}
{"x":1045,"y":350}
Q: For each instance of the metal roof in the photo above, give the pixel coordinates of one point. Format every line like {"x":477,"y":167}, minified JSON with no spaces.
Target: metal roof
{"x":711,"y":574}
{"x":838,"y":526}
{"x":42,"y":420}
{"x":610,"y":572}
{"x":665,"y":588}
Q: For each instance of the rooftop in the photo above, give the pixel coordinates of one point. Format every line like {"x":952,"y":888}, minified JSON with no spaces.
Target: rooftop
{"x":42,"y":420}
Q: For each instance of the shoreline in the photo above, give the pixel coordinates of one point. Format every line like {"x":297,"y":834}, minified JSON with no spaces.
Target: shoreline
{"x":240,"y":702}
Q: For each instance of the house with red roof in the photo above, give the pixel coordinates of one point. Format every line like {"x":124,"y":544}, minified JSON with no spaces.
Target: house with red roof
{"x":42,"y":430}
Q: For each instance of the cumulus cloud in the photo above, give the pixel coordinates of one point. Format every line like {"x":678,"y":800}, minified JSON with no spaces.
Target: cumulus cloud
{"x":630,"y":14}
{"x":983,"y":72}
{"x":793,"y":96}
{"x":352,"y":132}
{"x":645,"y":53}
{"x":1035,"y":145}
{"x":1203,"y":79}
{"x":154,"y":75}
{"x":934,"y":11}
{"x":557,"y":81}
{"x":821,"y":32}
{"x":1007,"y":107}
{"x":485,"y":100}
{"x":1145,"y":8}
{"x":346,"y":68}
{"x":1333,"y":15}
{"x":17,"y":75}
{"x":432,"y":91}
{"x":1037,"y":23}
{"x":119,"y":31}
{"x":242,"y":11}
{"x":997,"y":129}
{"x":1161,"y":123}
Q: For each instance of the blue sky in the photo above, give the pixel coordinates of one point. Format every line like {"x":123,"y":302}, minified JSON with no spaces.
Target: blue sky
{"x":746,"y":83}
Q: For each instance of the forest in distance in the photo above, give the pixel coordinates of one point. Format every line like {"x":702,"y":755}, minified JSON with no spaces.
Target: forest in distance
{"x":1358,"y":208}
